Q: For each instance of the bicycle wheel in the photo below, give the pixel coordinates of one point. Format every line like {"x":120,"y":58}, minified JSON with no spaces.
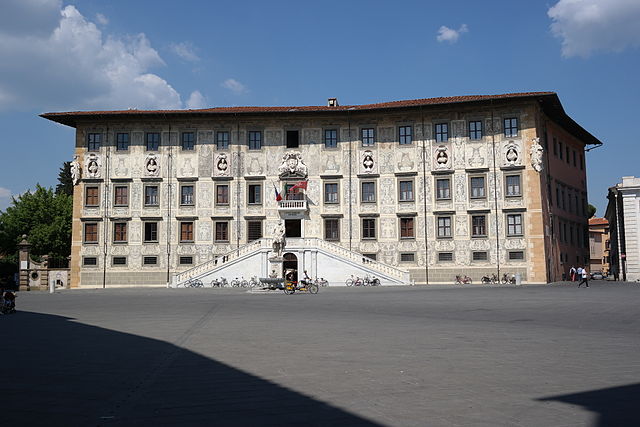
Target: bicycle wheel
{"x":289,"y":290}
{"x":313,"y":288}
{"x":349,"y":282}
{"x":198,"y":283}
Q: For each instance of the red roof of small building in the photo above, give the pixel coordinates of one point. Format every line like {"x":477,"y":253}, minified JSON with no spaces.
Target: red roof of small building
{"x":598,"y":221}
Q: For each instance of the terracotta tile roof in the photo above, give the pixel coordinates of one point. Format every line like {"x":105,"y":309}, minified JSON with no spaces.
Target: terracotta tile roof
{"x":598,"y":221}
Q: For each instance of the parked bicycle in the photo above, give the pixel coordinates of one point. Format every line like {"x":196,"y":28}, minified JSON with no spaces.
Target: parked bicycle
{"x":462,"y":279}
{"x":354,"y":281}
{"x":371,"y":281}
{"x":490,"y":280}
{"x":253,"y":282}
{"x":508,"y":279}
{"x":193,"y":283}
{"x":219,"y":283}
{"x":321,"y":282}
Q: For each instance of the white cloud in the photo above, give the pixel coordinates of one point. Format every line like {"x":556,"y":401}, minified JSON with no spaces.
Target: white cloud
{"x":185,"y":50}
{"x":68,"y":63}
{"x":5,"y":198}
{"x":587,"y":26}
{"x":446,"y":34}
{"x":102,"y":20}
{"x":4,"y":193}
{"x":196,"y":100}
{"x":234,"y":86}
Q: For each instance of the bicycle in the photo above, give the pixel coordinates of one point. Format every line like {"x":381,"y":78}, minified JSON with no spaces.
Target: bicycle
{"x":253,"y":282}
{"x":371,"y":281}
{"x":193,"y":283}
{"x":357,"y":281}
{"x":321,"y":282}
{"x":508,"y":280}
{"x":462,"y":279}
{"x":490,"y":280}
{"x":291,"y":287}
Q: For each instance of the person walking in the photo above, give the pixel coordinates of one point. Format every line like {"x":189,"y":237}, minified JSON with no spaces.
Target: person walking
{"x":585,"y":277}
{"x":572,"y":273}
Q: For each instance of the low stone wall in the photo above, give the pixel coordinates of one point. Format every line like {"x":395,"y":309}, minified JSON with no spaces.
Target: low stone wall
{"x":128,"y":278}
{"x":448,"y":275}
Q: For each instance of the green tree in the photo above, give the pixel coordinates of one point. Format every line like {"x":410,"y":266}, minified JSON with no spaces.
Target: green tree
{"x":65,"y":183}
{"x":45,"y":217}
{"x":591,"y":210}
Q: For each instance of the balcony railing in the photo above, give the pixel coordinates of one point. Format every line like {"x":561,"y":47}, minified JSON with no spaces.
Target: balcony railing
{"x":292,"y":205}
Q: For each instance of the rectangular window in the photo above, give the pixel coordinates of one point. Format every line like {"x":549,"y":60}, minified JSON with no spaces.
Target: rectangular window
{"x":479,"y":256}
{"x":222,"y":194}
{"x":514,"y":225}
{"x":330,"y":138}
{"x":89,"y":261}
{"x":186,"y":231}
{"x":222,"y":231}
{"x":119,"y":260}
{"x":150,"y":260}
{"x":90,"y":232}
{"x":475,"y":129}
{"x":120,"y":232}
{"x":477,"y":187}
{"x":516,"y":255}
{"x":444,"y":227}
{"x":91,"y":196}
{"x":511,"y":127}
{"x":560,"y":149}
{"x":407,"y":257}
{"x":94,"y":141}
{"x":442,"y":132}
{"x":513,"y":185}
{"x":153,"y":141}
{"x":478,"y":225}
{"x":568,"y":151}
{"x":443,"y":189}
{"x":368,"y":138}
{"x":222,"y":140}
{"x":445,"y":256}
{"x":151,"y":195}
{"x":575,"y":159}
{"x":254,"y":230}
{"x":368,"y":228}
{"x":406,"y":191}
{"x":332,"y":229}
{"x":121,"y":195}
{"x":406,"y":228}
{"x":293,"y":139}
{"x":255,"y":140}
{"x":255,"y":194}
{"x":371,"y":256}
{"x":555,"y":146}
{"x":405,"y":135}
{"x":331,"y":192}
{"x":188,"y":141}
{"x":122,"y":142}
{"x":186,"y":260}
{"x":186,"y":195}
{"x":581,"y":162}
{"x":150,"y":231}
{"x":368,"y":192}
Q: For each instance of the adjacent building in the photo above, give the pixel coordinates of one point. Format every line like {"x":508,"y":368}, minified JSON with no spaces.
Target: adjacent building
{"x":599,"y":245}
{"x":417,"y":190}
{"x":623,"y":214}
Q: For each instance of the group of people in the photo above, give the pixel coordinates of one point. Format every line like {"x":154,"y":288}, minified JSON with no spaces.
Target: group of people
{"x":7,"y":302}
{"x":579,"y":273}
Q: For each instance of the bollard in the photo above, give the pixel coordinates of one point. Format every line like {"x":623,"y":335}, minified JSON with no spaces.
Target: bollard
{"x":52,"y":286}
{"x":518,"y":279}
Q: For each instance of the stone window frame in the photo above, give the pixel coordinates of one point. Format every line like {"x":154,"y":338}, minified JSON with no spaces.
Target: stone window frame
{"x":116,"y":232}
{"x":249,"y":193}
{"x":413,"y":255}
{"x":215,"y":231}
{"x":335,"y":129}
{"x":511,"y":128}
{"x":438,"y":135}
{"x":440,"y":178}
{"x":375,"y":228}
{"x":215,"y":196}
{"x":193,"y":193}
{"x":401,"y":136}
{"x":486,"y":226}
{"x":473,"y":176}
{"x":451,"y":231}
{"x":146,"y":141}
{"x":146,"y":257}
{"x":324,"y":224}
{"x":324,"y":191}
{"x":144,"y":196}
{"x":439,"y":259}
{"x":413,"y":192}
{"x":261,"y":222}
{"x":372,"y":136}
{"x":375,"y":191}
{"x":115,"y":195}
{"x":218,"y":140}
{"x":252,"y":132}
{"x":194,"y":142}
{"x":181,"y":232}
{"x":286,"y":131}
{"x":84,"y":233}
{"x":84,"y":262}
{"x":506,"y":185}
{"x":144,"y":232}
{"x":524,"y":255}
{"x":116,"y":265}
{"x":475,"y":131}
{"x":97,"y":196}
{"x":371,"y":256}
{"x":118,"y":142}
{"x":486,"y":256}
{"x":94,"y":141}
{"x":521,"y":225}
{"x":413,"y":227}
{"x":183,"y":258}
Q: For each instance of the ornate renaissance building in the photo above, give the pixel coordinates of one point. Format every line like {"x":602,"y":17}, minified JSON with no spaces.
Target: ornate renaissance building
{"x":409,"y":191}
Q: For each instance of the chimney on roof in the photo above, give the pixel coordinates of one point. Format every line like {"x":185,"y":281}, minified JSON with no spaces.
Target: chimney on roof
{"x":332,"y":102}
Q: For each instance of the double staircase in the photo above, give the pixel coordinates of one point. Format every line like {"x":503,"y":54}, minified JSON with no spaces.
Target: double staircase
{"x":319,"y":257}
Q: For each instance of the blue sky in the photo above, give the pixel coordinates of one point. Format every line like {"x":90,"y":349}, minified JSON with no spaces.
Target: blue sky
{"x":90,"y":54}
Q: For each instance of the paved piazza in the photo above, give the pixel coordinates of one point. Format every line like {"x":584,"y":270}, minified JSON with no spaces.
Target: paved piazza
{"x":411,"y":356}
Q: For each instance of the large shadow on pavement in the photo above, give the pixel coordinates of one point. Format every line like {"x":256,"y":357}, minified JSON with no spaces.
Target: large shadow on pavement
{"x":57,"y":372}
{"x":615,"y":406}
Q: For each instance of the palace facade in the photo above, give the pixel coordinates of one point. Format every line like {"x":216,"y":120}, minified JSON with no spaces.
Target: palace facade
{"x":417,"y":190}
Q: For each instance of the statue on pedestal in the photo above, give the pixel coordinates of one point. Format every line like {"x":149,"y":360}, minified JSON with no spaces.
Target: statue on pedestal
{"x":279,"y":239}
{"x":75,"y":170}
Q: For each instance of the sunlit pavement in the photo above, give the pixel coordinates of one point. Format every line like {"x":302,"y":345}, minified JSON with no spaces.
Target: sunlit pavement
{"x":441,"y":356}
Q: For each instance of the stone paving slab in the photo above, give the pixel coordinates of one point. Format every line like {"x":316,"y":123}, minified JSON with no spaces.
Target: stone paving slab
{"x":451,"y":355}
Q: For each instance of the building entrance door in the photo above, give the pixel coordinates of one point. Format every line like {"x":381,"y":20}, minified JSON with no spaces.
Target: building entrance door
{"x":290,"y":267}
{"x":293,"y":227}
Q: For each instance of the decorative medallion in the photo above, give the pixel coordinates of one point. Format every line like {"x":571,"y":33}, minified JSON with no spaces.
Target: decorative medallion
{"x":221,"y":165}
{"x":151,"y":165}
{"x":292,"y":165}
{"x":367,"y":161}
{"x":442,"y":157}
{"x":92,"y":165}
{"x":511,"y":155}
